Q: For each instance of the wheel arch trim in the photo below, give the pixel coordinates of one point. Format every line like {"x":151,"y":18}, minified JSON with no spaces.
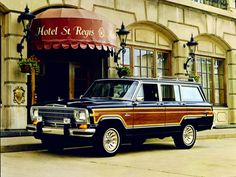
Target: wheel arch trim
{"x":112,"y":117}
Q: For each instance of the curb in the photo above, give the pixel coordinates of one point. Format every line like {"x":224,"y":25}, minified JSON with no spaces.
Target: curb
{"x":222,"y":136}
{"x":22,"y":147}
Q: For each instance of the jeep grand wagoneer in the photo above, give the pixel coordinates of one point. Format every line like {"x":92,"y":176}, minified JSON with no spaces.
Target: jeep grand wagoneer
{"x":114,"y":111}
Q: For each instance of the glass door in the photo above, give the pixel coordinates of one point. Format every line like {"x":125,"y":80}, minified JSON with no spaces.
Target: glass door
{"x":79,"y":80}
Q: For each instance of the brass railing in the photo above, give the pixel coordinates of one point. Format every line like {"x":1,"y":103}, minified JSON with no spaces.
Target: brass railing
{"x":223,"y":4}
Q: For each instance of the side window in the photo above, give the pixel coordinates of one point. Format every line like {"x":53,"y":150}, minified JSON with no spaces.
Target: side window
{"x":148,"y":92}
{"x":170,"y":93}
{"x":191,"y":94}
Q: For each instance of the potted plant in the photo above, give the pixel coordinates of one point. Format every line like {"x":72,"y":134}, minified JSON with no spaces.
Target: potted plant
{"x":123,"y":71}
{"x":26,"y":64}
{"x":195,"y":77}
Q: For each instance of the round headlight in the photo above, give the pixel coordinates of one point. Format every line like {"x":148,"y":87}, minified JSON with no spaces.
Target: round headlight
{"x":80,"y":115}
{"x":76,"y":114}
{"x":35,"y":113}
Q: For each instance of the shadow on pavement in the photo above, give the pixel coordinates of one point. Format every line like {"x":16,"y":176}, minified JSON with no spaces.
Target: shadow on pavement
{"x":88,"y":151}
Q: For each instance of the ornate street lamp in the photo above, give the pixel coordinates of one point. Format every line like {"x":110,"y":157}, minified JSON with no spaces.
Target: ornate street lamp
{"x":122,"y":33}
{"x":192,"y":45}
{"x":26,"y":18}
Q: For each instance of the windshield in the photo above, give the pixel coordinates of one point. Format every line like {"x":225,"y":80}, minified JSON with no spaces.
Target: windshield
{"x":118,"y":89}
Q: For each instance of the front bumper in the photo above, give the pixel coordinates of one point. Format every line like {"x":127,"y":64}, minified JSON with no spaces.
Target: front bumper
{"x":39,"y":129}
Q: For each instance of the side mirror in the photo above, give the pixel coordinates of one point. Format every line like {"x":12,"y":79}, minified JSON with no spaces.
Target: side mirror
{"x":140,"y":99}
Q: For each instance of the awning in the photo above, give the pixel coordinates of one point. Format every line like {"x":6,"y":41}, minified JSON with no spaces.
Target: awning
{"x":75,"y":28}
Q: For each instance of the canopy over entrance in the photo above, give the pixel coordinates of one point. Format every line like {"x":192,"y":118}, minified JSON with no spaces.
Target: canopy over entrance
{"x":75,"y":28}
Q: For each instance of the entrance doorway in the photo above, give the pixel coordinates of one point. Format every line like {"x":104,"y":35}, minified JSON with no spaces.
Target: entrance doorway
{"x":79,"y":80}
{"x":67,"y":74}
{"x":53,"y":83}
{"x":63,"y":80}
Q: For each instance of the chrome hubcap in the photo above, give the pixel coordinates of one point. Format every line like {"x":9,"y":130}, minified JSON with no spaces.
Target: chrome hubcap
{"x":188,"y":135}
{"x":111,"y":140}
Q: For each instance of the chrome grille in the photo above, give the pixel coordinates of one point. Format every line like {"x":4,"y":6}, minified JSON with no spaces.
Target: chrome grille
{"x":54,"y":116}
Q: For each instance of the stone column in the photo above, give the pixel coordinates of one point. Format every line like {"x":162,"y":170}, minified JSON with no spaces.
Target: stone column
{"x":1,"y":71}
{"x":231,"y":85}
{"x":14,"y":90}
{"x":180,"y":55}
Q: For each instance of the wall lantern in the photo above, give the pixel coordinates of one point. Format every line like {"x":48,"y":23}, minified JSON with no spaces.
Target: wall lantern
{"x":122,"y":33}
{"x":192,"y":45}
{"x":26,"y":18}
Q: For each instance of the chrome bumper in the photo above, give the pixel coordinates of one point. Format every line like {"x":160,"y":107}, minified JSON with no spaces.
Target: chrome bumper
{"x":61,"y":131}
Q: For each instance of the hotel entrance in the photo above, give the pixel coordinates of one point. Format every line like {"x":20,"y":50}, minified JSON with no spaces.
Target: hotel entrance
{"x":73,"y":51}
{"x":67,"y":74}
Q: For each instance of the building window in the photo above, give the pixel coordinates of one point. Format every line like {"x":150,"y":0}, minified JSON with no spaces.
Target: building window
{"x":204,"y":70}
{"x":163,"y":64}
{"x":143,"y":63}
{"x":219,"y":89}
{"x":211,"y":71}
{"x":223,"y":4}
{"x":146,"y":62}
{"x":125,"y":61}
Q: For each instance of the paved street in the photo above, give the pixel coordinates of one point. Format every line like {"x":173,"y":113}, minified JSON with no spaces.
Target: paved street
{"x":212,"y":157}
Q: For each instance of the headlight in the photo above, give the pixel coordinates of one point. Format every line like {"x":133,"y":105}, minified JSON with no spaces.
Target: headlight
{"x":34,"y":112}
{"x":81,"y":116}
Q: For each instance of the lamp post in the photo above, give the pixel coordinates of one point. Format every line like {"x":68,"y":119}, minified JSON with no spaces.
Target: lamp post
{"x":192,"y":45}
{"x":122,"y":33}
{"x":26,"y":18}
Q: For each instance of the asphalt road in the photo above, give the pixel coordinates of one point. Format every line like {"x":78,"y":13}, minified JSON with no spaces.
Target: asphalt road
{"x":208,"y":158}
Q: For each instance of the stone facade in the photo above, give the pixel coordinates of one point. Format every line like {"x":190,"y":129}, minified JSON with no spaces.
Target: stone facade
{"x":160,"y":24}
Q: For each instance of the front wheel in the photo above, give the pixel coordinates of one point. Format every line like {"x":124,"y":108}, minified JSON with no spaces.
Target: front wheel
{"x":187,"y":138}
{"x":108,"y":141}
{"x":53,"y":145}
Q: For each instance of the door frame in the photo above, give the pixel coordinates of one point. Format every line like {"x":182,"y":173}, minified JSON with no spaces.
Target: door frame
{"x":72,"y":67}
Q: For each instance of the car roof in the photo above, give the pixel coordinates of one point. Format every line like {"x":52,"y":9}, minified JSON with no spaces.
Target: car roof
{"x":176,"y":80}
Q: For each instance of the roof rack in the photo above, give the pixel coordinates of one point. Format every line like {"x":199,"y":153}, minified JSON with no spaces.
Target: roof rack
{"x":177,"y":78}
{"x":174,"y":78}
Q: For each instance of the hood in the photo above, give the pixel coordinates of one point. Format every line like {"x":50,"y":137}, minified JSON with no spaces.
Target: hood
{"x":88,"y":103}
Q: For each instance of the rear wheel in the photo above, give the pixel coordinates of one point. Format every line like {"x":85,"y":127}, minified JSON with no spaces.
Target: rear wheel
{"x":108,"y":141}
{"x":187,"y":138}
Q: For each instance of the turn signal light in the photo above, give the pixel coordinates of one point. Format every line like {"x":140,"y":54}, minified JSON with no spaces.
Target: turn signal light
{"x":83,"y":126}
{"x":35,"y":122}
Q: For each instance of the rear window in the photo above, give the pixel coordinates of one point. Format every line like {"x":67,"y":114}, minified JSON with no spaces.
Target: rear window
{"x":191,"y":94}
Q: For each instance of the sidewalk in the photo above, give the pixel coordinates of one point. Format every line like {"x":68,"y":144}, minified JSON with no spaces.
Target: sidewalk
{"x":29,"y":143}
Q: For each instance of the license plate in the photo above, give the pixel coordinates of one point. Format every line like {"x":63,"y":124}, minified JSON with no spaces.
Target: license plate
{"x":66,"y":121}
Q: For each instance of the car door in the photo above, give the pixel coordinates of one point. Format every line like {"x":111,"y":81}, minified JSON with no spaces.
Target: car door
{"x":175,"y":109}
{"x":148,"y":110}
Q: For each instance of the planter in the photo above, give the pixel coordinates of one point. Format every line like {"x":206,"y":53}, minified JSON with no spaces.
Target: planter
{"x":122,"y":74}
{"x":25,"y":68}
